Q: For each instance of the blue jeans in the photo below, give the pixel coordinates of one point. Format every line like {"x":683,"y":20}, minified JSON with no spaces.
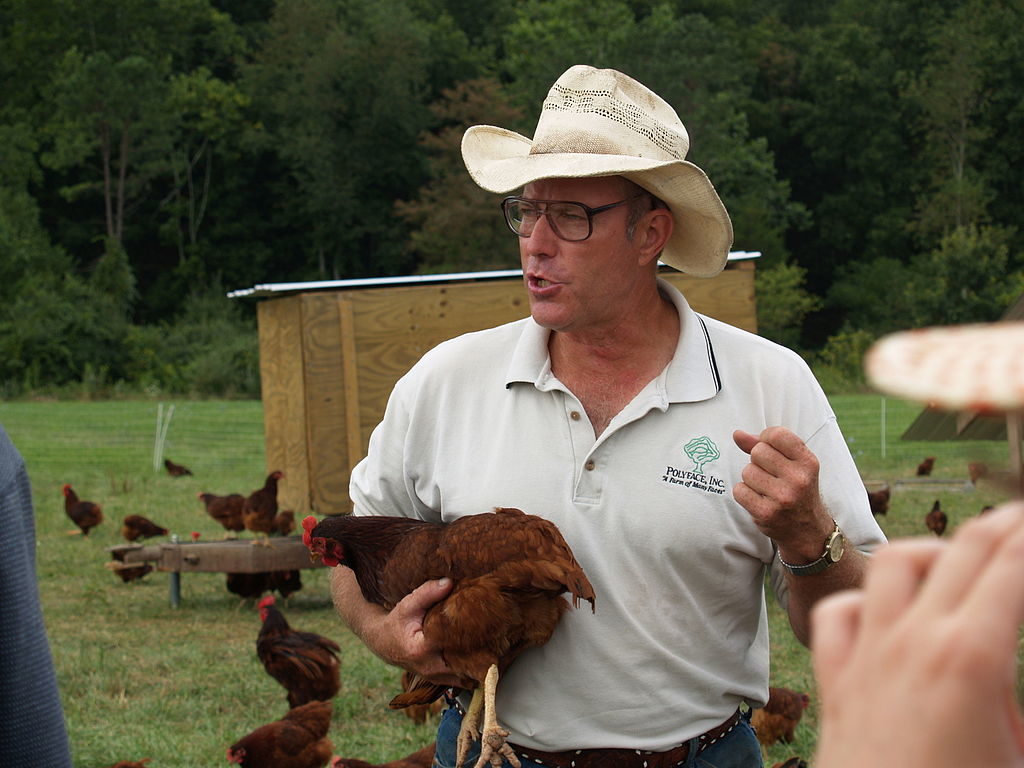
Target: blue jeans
{"x":738,"y":749}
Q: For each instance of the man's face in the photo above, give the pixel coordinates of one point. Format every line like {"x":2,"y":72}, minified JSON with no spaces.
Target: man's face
{"x":581,"y":286}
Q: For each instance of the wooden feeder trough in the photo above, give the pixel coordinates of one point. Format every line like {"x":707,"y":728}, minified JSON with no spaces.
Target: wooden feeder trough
{"x":287,"y":553}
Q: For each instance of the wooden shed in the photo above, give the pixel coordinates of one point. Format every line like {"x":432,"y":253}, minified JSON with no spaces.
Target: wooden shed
{"x":331,"y":351}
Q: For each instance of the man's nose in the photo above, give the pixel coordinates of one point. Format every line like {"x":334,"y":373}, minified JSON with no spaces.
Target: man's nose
{"x":542,"y":229}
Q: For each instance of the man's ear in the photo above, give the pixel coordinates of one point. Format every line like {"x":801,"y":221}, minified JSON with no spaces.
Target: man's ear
{"x":653,"y":231}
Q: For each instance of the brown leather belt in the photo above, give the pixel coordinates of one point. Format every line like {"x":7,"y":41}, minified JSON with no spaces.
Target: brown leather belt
{"x":626,"y":758}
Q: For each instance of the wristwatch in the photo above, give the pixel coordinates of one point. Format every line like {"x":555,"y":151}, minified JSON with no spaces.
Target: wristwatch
{"x":835,"y":545}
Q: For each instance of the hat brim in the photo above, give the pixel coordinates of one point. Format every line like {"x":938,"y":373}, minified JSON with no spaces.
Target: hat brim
{"x":499,"y":161}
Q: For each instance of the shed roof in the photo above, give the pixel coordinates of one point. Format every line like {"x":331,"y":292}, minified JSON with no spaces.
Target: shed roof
{"x":279,"y":289}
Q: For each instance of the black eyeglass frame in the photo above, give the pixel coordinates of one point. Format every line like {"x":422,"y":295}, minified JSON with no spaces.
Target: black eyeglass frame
{"x":591,"y":212}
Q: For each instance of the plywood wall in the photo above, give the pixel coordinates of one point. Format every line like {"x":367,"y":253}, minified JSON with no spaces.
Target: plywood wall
{"x":329,"y":359}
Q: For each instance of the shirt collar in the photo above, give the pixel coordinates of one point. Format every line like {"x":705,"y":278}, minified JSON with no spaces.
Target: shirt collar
{"x":692,"y":374}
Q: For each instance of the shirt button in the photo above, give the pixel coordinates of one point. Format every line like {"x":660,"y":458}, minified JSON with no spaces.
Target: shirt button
{"x":574,"y":415}
{"x":590,"y":464}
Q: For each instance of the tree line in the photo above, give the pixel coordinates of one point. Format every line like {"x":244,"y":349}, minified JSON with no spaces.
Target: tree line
{"x":157,"y":153}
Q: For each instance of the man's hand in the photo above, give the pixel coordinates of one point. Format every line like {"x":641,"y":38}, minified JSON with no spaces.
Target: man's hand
{"x":396,"y":636}
{"x":779,"y":489}
{"x":404,"y":624}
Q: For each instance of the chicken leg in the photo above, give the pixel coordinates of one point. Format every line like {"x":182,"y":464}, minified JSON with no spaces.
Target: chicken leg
{"x":469,"y":731}
{"x":493,"y":747}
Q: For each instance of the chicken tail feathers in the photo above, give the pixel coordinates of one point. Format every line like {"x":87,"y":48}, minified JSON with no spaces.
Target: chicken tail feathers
{"x":419,"y":691}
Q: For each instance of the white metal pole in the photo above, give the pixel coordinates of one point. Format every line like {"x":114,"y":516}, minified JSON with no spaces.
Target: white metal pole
{"x":883,"y":427}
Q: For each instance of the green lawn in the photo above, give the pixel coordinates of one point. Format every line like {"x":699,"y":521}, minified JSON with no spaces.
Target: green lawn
{"x":140,"y":679}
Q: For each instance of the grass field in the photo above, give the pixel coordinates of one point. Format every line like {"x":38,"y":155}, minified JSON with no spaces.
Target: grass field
{"x":140,"y":679}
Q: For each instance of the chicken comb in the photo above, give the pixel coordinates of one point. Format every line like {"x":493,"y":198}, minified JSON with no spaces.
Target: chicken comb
{"x":268,"y":600}
{"x":308,"y":524}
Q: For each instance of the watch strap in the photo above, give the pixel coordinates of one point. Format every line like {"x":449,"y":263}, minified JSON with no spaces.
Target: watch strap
{"x":816,"y":566}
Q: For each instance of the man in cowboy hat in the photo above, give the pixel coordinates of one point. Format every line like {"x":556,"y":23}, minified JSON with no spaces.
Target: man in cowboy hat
{"x":682,"y":458}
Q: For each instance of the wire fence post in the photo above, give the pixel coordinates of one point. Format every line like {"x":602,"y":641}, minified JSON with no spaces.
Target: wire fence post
{"x":883,"y":428}
{"x":162,"y":425}
{"x":156,"y":437}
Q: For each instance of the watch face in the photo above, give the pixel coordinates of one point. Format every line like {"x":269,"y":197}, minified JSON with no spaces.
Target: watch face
{"x":836,"y":546}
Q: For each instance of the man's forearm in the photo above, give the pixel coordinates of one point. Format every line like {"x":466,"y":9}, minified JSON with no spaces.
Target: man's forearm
{"x":360,"y":615}
{"x":805,"y":591}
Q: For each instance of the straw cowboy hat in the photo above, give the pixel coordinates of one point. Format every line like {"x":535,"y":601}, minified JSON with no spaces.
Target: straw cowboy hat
{"x":600,"y":122}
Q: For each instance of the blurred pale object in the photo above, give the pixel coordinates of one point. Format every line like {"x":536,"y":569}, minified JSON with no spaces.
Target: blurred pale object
{"x":974,"y":367}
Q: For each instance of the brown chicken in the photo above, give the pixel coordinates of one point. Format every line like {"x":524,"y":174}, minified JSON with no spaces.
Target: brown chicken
{"x":261,"y":506}
{"x":421,"y":758}
{"x":936,"y":520}
{"x":925,"y":467}
{"x":305,"y":663}
{"x":793,"y":762}
{"x":85,"y":514}
{"x":976,"y":470}
{"x":297,"y":740}
{"x":879,"y":500}
{"x":777,"y":720}
{"x":132,"y":763}
{"x":137,"y":527}
{"x":128,"y":572}
{"x":176,"y":470}
{"x":509,"y":571}
{"x":252,"y":585}
{"x":226,"y":510}
{"x":419,"y":713}
{"x":283,"y":523}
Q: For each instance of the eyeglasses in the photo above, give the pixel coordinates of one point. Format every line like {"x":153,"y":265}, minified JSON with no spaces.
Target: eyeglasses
{"x":568,"y":220}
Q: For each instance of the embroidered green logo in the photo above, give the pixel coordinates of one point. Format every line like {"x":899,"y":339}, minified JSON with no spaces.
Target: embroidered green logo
{"x":701,"y":450}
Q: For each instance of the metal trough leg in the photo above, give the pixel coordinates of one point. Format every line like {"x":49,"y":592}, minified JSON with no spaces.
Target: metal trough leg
{"x":175,"y":584}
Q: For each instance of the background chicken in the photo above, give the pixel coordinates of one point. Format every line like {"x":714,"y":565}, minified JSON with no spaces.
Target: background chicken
{"x":925,"y":467}
{"x":936,"y":520}
{"x":85,"y":514}
{"x":507,"y":565}
{"x":976,"y":470}
{"x":297,"y":740}
{"x":226,"y":510}
{"x":136,"y":527}
{"x":305,"y":663}
{"x":421,"y":758}
{"x":253,"y":585}
{"x":283,"y":522}
{"x":261,"y":506}
{"x":777,"y":720}
{"x":176,"y":470}
{"x":879,"y":500}
{"x":128,"y":572}
{"x":793,"y":762}
{"x":131,"y":763}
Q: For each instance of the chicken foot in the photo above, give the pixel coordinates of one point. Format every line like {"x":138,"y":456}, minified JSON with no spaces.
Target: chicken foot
{"x":493,"y":747}
{"x":469,"y":731}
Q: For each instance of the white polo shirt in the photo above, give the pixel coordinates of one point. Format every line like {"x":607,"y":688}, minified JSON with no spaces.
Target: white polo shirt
{"x":680,"y":635}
